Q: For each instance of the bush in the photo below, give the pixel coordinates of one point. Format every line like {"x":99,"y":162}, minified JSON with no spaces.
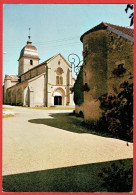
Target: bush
{"x":25,"y":106}
{"x":19,"y":104}
{"x":78,"y":95}
{"x":118,"y":111}
{"x":81,"y":114}
{"x":118,"y":177}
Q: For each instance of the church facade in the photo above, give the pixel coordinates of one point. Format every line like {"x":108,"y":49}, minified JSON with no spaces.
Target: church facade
{"x":45,"y":84}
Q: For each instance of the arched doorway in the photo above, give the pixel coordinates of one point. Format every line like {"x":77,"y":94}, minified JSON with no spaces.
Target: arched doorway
{"x":57,"y":100}
{"x":59,"y":95}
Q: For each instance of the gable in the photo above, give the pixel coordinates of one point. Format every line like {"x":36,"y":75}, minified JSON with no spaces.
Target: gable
{"x":58,"y":61}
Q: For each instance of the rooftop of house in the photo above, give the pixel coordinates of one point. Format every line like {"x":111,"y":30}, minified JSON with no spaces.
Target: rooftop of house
{"x":125,"y":32}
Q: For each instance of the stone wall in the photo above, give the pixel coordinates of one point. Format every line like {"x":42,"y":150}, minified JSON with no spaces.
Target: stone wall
{"x":24,"y":65}
{"x":95,"y":72}
{"x":33,"y":73}
{"x":8,"y":82}
{"x":120,"y":51}
{"x":105,"y":52}
{"x":15,"y":94}
{"x":36,"y":90}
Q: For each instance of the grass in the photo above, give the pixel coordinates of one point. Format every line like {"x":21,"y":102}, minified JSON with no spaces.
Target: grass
{"x":7,"y":115}
{"x":45,"y":108}
{"x":51,"y":108}
{"x":82,"y":178}
{"x":64,"y":121}
{"x":72,"y":123}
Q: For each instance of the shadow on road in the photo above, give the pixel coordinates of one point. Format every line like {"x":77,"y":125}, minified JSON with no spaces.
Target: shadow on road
{"x":82,"y":178}
{"x":64,"y":121}
{"x":72,"y":123}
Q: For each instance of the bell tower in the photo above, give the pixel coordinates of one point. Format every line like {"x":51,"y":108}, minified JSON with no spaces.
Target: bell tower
{"x":28,"y":57}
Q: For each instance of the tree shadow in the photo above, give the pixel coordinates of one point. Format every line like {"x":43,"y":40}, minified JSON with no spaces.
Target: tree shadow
{"x":66,"y":121}
{"x":81,"y":178}
{"x":71,"y":123}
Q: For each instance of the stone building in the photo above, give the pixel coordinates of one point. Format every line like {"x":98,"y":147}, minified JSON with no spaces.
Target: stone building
{"x":107,"y":49}
{"x":45,"y":84}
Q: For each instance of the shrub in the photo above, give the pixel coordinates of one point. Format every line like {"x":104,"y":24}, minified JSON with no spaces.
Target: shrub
{"x":72,"y":89}
{"x":81,"y":114}
{"x":78,"y":96}
{"x":118,"y":111}
{"x":25,"y":106}
{"x":19,"y":104}
{"x":117,"y":177}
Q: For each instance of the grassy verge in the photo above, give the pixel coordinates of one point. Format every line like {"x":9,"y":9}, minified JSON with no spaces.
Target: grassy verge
{"x":82,"y":178}
{"x":72,"y":123}
{"x":7,"y":115}
{"x":51,"y":108}
{"x":64,"y":121}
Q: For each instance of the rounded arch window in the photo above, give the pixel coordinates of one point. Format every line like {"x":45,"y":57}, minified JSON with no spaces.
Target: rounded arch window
{"x":31,"y":62}
{"x":59,"y":71}
{"x":59,"y":78}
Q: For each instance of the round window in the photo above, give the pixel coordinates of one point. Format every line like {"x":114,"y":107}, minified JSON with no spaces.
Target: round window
{"x":59,"y":71}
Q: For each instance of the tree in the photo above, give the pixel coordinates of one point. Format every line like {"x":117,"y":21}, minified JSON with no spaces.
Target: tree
{"x":130,"y":6}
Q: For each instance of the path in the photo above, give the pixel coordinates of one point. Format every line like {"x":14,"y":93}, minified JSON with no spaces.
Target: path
{"x":31,"y":147}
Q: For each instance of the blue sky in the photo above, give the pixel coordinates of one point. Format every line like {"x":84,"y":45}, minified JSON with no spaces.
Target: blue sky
{"x":55,"y":28}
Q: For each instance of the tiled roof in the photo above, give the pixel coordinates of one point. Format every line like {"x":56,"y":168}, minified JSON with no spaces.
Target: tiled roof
{"x":125,"y":30}
{"x":127,"y":33}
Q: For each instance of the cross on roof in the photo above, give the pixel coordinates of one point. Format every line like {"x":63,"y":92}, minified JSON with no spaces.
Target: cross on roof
{"x":29,"y":31}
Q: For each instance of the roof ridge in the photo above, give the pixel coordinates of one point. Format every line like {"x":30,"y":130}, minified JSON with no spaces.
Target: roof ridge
{"x":117,"y":25}
{"x":126,"y":32}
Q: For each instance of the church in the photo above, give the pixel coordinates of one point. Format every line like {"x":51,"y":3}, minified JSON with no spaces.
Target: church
{"x":45,"y":84}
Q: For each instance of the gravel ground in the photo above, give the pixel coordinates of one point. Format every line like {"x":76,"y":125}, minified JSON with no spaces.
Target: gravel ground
{"x":8,"y":112}
{"x":31,"y":147}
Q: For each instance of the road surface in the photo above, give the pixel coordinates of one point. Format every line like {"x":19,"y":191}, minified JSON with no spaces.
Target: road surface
{"x":29,"y":147}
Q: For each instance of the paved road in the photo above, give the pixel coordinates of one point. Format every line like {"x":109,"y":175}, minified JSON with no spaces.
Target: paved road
{"x":31,"y":147}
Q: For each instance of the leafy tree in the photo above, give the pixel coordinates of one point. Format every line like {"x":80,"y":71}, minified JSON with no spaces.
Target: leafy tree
{"x":130,"y":6}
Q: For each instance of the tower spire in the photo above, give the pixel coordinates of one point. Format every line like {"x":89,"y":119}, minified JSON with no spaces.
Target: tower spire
{"x":29,"y":38}
{"x":29,"y":31}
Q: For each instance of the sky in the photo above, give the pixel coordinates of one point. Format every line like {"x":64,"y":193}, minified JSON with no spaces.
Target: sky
{"x":55,"y":28}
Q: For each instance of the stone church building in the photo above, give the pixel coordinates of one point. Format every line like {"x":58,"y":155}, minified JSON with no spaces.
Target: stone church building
{"x":45,"y":84}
